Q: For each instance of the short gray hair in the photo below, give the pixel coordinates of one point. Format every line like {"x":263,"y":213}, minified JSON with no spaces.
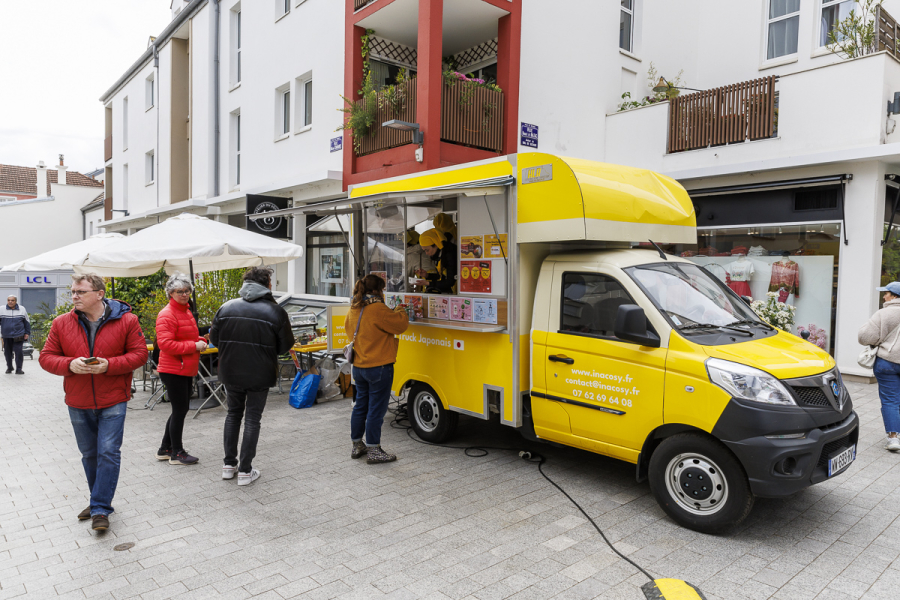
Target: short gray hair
{"x":96,"y":282}
{"x":178,"y":281}
{"x":13,"y":297}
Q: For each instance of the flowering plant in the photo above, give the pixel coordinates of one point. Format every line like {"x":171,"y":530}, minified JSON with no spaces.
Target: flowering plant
{"x":454,"y":77}
{"x":467,"y":95}
{"x":817,"y":335}
{"x":775,"y":313}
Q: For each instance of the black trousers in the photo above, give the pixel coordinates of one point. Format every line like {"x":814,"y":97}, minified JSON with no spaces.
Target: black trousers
{"x":9,"y":348}
{"x":178,"y":391}
{"x":241,"y":402}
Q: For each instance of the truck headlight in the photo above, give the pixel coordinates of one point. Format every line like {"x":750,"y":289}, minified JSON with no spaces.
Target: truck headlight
{"x":748,"y":383}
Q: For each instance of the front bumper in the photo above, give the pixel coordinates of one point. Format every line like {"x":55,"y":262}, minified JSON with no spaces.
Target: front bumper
{"x":781,"y":467}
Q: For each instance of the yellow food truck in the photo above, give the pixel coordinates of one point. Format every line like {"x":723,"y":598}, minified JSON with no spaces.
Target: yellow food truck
{"x":573,"y":328}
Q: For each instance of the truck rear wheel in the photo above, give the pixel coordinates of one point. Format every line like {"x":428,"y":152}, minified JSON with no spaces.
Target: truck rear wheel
{"x":699,"y":483}
{"x":428,"y":417}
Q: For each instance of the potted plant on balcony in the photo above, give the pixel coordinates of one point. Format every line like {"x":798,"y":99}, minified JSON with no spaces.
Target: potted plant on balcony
{"x":467,"y":97}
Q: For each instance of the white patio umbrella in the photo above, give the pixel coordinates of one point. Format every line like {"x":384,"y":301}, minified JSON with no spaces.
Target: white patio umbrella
{"x":65,"y":257}
{"x":187,"y":243}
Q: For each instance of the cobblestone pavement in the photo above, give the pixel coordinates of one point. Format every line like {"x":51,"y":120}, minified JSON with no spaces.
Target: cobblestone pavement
{"x":435,"y":524}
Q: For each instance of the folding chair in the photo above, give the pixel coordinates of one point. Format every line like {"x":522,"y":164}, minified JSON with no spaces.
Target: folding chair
{"x":156,"y":397}
{"x":213,"y":385}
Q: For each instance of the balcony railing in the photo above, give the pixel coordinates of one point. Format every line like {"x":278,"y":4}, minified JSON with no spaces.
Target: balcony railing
{"x":107,"y":148}
{"x":470,"y":116}
{"x":725,"y":115}
{"x":886,"y":32}
{"x":403,"y":109}
{"x":358,"y":4}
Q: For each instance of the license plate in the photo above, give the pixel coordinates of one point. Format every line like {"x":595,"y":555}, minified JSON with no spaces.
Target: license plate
{"x":839,"y":462}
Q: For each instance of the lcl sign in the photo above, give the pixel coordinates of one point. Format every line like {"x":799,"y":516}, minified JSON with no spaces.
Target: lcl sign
{"x":37,"y":280}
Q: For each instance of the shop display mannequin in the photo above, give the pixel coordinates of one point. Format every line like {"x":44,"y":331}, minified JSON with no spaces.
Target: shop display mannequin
{"x":785,"y":278}
{"x":740,"y":272}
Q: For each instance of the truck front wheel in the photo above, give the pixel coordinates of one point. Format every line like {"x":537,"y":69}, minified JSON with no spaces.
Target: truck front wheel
{"x":699,"y":483}
{"x":428,"y":417}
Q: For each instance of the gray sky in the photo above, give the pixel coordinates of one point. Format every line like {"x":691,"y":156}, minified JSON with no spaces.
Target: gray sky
{"x":57,"y":59}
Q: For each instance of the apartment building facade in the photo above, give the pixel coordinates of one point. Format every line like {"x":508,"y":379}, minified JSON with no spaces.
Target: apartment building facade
{"x":232,"y":98}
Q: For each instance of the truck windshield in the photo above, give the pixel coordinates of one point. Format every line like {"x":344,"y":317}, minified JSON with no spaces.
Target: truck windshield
{"x":692,"y":298}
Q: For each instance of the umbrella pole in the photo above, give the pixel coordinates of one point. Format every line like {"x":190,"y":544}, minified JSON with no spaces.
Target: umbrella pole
{"x":193,"y":286}
{"x":113,"y":281}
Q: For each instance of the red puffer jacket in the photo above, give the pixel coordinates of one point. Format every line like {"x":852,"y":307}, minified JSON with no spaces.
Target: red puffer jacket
{"x":177,"y":336}
{"x":119,"y":340}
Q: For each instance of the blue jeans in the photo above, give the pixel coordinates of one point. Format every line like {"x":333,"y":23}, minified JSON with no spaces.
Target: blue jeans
{"x":373,"y":392}
{"x":99,"y":437}
{"x":888,"y":376}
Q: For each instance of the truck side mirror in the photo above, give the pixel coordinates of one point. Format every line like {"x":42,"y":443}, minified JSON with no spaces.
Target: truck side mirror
{"x":631,"y":326}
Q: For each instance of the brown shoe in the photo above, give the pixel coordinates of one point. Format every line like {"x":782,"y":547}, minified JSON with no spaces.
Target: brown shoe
{"x":377,"y":456}
{"x":359,"y":449}
{"x":100,"y":522}
{"x":85,"y":514}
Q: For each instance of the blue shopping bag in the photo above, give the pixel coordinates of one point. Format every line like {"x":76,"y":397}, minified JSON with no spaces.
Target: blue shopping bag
{"x":304,"y":390}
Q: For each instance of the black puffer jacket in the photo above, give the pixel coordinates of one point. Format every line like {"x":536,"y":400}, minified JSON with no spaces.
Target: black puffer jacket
{"x":250,"y":332}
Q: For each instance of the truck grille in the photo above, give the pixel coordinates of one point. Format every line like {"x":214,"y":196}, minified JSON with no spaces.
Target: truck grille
{"x":811,"y":396}
{"x":831,"y":447}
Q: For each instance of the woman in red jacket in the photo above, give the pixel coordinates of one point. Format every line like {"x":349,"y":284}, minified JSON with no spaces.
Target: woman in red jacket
{"x":180,"y":346}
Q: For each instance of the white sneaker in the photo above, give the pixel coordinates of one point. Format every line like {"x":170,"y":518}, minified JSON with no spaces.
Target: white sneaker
{"x":893,"y":444}
{"x":228,"y":472}
{"x":253,"y":475}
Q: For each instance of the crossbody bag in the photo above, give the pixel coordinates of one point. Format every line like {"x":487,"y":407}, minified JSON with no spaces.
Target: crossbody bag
{"x":349,"y":353}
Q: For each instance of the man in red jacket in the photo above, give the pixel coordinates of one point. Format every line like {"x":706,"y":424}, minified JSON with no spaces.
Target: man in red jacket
{"x":95,"y":348}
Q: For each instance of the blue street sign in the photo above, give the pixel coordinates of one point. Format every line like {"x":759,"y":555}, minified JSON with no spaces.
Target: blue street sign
{"x":337,"y":144}
{"x":529,"y":135}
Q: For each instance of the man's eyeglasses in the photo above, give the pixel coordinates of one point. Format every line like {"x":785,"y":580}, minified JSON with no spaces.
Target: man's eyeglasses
{"x":182,"y":292}
{"x":82,"y":292}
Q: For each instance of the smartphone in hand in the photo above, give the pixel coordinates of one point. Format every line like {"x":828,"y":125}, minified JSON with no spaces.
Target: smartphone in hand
{"x":93,"y":360}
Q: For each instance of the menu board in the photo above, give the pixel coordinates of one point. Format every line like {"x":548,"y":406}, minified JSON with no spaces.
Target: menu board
{"x":485,"y":311}
{"x":496,"y":246}
{"x":415,"y":304}
{"x":471,"y":246}
{"x":438,"y":307}
{"x":460,"y":309}
{"x":475,"y":276}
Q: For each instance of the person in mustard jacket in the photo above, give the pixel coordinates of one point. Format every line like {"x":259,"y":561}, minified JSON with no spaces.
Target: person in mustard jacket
{"x":180,"y":346}
{"x":375,"y":352}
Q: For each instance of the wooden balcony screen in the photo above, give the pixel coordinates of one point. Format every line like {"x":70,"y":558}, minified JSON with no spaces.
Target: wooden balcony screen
{"x":107,"y":148}
{"x":107,"y":209}
{"x":358,"y":4}
{"x":383,"y":138}
{"x":725,"y":115}
{"x":477,"y":123}
{"x":885,"y":31}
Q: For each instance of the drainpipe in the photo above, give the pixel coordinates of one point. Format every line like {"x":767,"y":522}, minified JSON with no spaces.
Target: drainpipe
{"x":216,"y":105}
{"x":158,"y":86}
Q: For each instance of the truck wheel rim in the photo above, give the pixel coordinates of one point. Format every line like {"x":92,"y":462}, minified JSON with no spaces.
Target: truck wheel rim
{"x":426,"y":412}
{"x":696,"y":483}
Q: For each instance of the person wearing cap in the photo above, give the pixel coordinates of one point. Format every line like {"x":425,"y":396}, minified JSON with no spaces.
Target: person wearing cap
{"x":444,"y":223}
{"x":444,"y":256}
{"x":416,"y":259}
{"x":882,"y":330}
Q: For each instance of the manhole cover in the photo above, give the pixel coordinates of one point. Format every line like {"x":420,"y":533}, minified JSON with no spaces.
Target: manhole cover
{"x":125,"y":546}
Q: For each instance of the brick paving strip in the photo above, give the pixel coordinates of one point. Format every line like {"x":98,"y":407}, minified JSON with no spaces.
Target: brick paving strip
{"x":433,"y":525}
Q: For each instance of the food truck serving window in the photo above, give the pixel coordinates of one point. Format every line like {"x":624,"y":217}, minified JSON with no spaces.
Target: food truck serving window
{"x":590,"y":303}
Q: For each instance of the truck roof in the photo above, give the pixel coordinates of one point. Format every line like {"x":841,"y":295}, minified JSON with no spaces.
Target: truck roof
{"x":616,"y":257}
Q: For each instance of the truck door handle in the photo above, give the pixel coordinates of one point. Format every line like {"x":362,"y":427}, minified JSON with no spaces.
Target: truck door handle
{"x":562,"y":358}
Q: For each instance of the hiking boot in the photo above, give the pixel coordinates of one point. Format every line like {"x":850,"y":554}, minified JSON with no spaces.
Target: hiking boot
{"x":183,"y":458}
{"x":228,"y":471}
{"x":164,"y":454}
{"x":85,"y":514}
{"x":100,"y":522}
{"x":359,"y":449}
{"x":377,"y":455}
{"x":248,"y":478}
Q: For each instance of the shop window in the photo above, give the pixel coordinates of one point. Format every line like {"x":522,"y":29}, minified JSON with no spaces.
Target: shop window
{"x":329,"y":264}
{"x":590,"y":303}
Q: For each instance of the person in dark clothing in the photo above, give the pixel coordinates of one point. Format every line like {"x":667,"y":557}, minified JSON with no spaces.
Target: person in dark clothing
{"x":14,"y":330}
{"x":250,"y":332}
{"x":444,"y":256}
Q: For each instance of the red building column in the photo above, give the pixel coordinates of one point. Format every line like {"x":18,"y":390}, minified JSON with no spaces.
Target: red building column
{"x":429,"y":85}
{"x":353,"y":68}
{"x":509,"y":42}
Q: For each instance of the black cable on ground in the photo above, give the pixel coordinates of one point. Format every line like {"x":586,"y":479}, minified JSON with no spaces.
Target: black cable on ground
{"x":399,"y":412}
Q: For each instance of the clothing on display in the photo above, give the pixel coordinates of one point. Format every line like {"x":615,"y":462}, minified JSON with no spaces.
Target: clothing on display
{"x":785,"y":279}
{"x":740,"y":272}
{"x":719,"y":271}
{"x":757,"y":251}
{"x":742,"y":250}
